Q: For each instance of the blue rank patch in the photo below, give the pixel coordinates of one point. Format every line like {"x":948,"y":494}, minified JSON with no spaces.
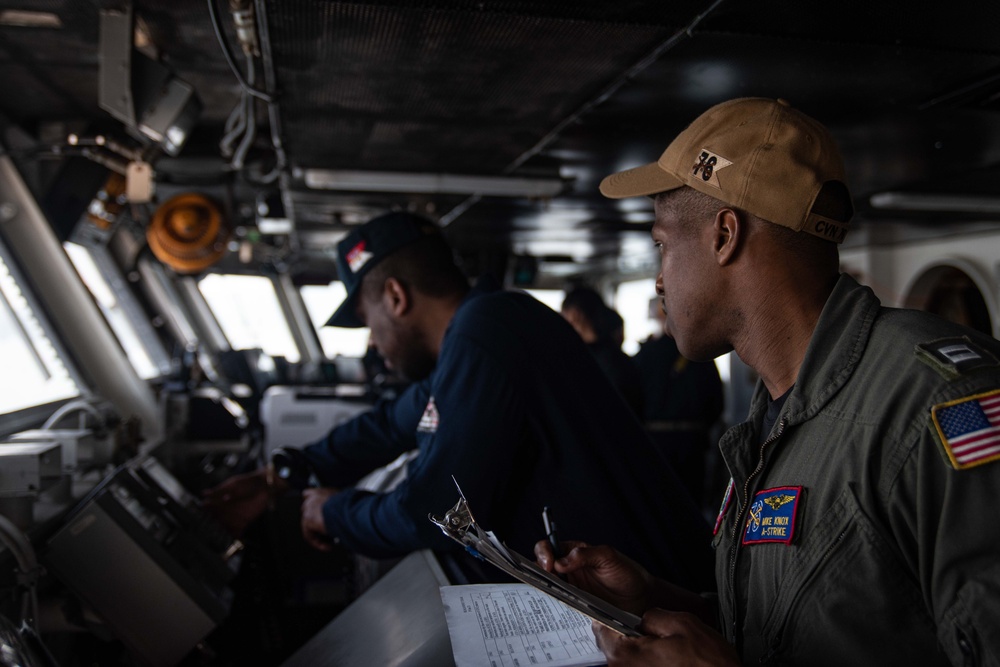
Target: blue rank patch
{"x":772,"y":515}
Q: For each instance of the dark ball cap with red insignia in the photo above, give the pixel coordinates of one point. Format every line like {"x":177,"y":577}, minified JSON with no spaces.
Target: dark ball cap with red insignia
{"x":365,"y":247}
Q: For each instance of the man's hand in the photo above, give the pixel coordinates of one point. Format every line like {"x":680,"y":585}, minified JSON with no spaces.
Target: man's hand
{"x":313,"y":526}
{"x":602,"y":571}
{"x":673,"y":638}
{"x":236,"y":502}
{"x":621,"y":581}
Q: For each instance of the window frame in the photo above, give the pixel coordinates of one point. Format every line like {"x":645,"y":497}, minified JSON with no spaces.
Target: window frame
{"x":145,"y":335}
{"x":30,"y":416}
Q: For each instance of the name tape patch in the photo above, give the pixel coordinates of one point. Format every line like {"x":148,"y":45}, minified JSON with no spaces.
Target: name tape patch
{"x":772,"y":515}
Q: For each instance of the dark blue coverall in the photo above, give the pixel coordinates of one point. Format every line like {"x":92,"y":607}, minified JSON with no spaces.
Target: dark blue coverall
{"x":519,"y":412}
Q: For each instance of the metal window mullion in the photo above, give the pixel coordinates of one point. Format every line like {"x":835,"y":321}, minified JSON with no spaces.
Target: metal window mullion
{"x":134,"y":313}
{"x":294,"y":310}
{"x":204,"y":319}
{"x":168,"y":303}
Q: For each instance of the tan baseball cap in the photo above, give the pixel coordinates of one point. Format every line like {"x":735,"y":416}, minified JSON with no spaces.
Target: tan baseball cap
{"x":756,"y":154}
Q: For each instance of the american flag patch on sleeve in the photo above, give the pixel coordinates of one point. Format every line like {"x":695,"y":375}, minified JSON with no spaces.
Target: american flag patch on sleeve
{"x":969,"y":429}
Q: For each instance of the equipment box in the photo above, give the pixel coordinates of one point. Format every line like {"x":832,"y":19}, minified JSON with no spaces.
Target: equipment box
{"x":297,"y":416}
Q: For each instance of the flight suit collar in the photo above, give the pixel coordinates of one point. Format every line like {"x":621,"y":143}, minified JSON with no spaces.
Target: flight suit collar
{"x":834,"y":351}
{"x":836,"y":347}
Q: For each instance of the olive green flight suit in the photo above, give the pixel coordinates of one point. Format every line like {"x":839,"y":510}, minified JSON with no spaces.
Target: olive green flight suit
{"x":887,"y":554}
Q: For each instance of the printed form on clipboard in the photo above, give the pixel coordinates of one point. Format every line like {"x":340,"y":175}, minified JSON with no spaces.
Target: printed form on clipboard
{"x":509,"y":604}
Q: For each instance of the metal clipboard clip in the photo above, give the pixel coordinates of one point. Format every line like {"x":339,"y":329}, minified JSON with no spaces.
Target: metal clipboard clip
{"x":459,"y":524}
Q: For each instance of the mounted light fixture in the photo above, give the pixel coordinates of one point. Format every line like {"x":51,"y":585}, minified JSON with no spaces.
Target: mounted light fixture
{"x":28,"y":18}
{"x":941,"y":203}
{"x":142,"y":92}
{"x":188,"y":233}
{"x":420,"y":183}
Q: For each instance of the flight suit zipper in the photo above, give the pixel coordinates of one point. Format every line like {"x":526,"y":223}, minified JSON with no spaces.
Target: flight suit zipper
{"x":734,"y":551}
{"x":967,"y":648}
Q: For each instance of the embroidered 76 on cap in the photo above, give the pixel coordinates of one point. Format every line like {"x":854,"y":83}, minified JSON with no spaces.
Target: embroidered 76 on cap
{"x":759,"y":155}
{"x":365,"y":247}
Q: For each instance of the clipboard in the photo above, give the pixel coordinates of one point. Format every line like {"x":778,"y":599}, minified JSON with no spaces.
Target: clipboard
{"x":459,"y":524}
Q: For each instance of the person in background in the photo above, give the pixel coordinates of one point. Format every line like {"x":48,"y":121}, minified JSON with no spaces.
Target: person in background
{"x":852,"y":531}
{"x":600,"y":327}
{"x":506,"y":400}
{"x":683,"y":405}
{"x":616,"y":326}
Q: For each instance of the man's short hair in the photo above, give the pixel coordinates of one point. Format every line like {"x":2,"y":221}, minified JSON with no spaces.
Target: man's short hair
{"x":426,"y":265}
{"x":700,"y":208}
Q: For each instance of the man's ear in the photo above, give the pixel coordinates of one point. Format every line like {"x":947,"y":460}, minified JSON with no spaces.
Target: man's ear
{"x":396,"y":297}
{"x":727,"y":235}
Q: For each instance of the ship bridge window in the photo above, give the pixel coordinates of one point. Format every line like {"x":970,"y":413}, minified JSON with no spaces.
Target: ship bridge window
{"x":115,"y":314}
{"x":33,"y":371}
{"x":321,"y":301}
{"x":637,"y":303}
{"x":552,"y":298}
{"x":633,"y":301}
{"x":249,"y":313}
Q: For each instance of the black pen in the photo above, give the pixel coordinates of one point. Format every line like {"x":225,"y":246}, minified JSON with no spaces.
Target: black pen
{"x":550,"y":532}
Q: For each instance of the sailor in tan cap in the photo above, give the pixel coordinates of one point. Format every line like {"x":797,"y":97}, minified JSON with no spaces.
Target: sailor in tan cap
{"x":848,"y":533}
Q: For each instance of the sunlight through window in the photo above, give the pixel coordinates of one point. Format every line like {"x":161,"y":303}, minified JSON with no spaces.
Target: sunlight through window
{"x":248,"y":311}
{"x":321,"y":301}
{"x":34,"y":374}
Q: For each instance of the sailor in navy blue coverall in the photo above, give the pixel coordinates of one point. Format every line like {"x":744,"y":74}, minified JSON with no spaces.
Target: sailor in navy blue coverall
{"x":519,"y":412}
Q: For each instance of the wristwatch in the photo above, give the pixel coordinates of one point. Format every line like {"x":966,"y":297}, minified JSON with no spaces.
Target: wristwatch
{"x":291,"y":465}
